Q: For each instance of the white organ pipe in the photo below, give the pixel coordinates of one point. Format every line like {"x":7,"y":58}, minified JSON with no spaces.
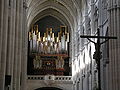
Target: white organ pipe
{"x":46,"y":42}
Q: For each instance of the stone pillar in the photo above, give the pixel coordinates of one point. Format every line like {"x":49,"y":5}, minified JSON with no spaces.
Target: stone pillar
{"x":20,"y":34}
{"x":3,"y":44}
{"x":80,"y":84}
{"x":107,"y":78}
{"x":114,"y":45}
{"x":92,"y":17}
{"x":74,"y":86}
{"x":16,"y":77}
{"x":24,"y":49}
{"x":86,"y":21}
{"x":10,"y":35}
{"x":10,"y":45}
{"x":72,"y":43}
{"x":1,"y":25}
{"x":13,"y":11}
{"x":1,"y":30}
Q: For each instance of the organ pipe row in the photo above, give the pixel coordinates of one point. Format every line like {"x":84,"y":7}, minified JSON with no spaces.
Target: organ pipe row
{"x":49,"y":43}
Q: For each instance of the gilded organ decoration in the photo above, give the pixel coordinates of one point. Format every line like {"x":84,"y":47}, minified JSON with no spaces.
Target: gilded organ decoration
{"x":48,"y":50}
{"x":48,"y":65}
{"x":37,"y":62}
{"x":49,"y":43}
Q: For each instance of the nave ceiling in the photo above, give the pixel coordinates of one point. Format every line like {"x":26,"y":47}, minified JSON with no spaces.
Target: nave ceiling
{"x":66,"y":11}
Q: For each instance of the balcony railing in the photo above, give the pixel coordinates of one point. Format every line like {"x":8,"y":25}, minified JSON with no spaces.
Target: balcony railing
{"x":50,"y":77}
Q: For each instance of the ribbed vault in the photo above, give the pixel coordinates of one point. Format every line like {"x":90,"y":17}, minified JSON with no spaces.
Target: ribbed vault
{"x":65,"y":11}
{"x":53,"y":13}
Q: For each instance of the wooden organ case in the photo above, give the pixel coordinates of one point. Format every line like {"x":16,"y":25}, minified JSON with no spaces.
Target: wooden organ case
{"x":52,"y":65}
{"x":48,"y":54}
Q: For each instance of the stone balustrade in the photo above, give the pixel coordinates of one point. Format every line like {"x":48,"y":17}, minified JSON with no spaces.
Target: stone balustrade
{"x":63,"y":78}
{"x":50,"y":77}
{"x":35,"y":77}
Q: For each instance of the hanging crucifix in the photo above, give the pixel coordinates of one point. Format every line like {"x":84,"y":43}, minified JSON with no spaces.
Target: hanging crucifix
{"x":97,"y":54}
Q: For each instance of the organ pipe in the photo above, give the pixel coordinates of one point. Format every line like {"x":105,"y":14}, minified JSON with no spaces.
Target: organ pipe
{"x":49,"y":42}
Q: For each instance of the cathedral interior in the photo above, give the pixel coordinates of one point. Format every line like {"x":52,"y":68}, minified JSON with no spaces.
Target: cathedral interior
{"x":59,"y":44}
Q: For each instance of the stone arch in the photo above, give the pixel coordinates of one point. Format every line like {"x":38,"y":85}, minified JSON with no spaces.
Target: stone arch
{"x":52,"y":13}
{"x":32,"y":17}
{"x":48,"y":88}
{"x":34,"y":11}
{"x":62,"y":3}
{"x":36,"y":86}
{"x":69,"y":14}
{"x":48,"y":21}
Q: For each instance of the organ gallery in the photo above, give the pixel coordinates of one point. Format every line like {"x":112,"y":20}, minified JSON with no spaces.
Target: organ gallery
{"x":48,"y":51}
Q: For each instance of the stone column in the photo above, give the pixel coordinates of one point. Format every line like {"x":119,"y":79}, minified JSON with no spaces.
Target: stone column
{"x":92,"y":17}
{"x":20,"y":30}
{"x":92,"y":32}
{"x":118,"y":42}
{"x":4,"y":43}
{"x":10,"y":35}
{"x":78,"y":87}
{"x":10,"y":45}
{"x":73,"y":86}
{"x":86,"y":21}
{"x":72,"y":43}
{"x":13,"y":11}
{"x":109,"y":67}
{"x":1,"y":25}
{"x":114,"y":45}
{"x":16,"y":50}
{"x":24,"y":49}
{"x":80,"y":84}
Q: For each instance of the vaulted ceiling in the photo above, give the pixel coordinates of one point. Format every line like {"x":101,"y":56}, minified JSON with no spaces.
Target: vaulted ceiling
{"x":66,"y":11}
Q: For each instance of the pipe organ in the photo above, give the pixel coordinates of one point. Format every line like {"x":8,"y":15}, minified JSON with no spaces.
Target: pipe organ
{"x":48,"y":50}
{"x":49,"y":43}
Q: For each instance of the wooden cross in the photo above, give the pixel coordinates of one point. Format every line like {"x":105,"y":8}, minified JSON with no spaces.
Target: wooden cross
{"x":97,"y":54}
